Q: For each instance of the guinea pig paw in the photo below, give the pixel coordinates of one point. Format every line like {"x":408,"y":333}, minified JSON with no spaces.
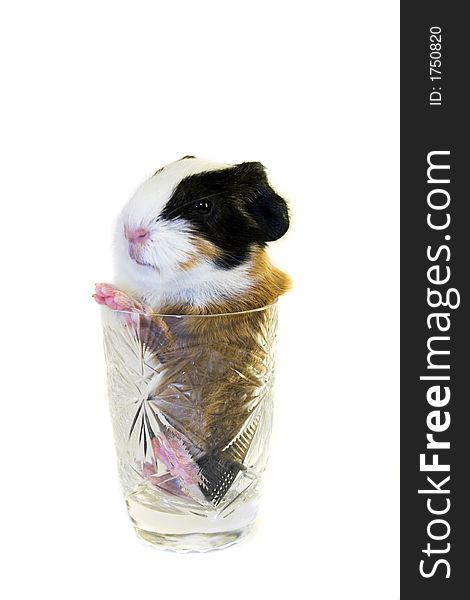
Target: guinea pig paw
{"x":115,"y":299}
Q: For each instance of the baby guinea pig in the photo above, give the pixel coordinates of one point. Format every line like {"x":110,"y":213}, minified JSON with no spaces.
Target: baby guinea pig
{"x":192,"y":240}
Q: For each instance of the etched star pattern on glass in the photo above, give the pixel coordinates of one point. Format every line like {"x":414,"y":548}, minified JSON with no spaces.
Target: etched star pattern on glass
{"x":191,"y":404}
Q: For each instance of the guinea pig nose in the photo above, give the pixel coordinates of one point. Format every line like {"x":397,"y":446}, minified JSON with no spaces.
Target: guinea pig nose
{"x":136,"y":236}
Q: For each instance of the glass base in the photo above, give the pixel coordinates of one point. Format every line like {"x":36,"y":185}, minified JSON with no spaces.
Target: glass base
{"x":185,"y":529}
{"x":193,"y":542}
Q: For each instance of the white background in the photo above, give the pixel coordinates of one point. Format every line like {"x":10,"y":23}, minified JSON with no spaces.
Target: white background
{"x":96,"y":96}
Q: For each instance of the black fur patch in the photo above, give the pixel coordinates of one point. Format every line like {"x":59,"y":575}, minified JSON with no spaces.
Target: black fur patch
{"x":233,"y":208}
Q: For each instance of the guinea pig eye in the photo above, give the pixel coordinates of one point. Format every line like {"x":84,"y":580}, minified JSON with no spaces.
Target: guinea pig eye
{"x":203,"y":207}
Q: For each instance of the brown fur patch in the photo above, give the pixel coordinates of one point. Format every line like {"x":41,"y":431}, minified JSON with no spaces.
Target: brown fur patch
{"x":189,"y":264}
{"x":205,"y":248}
{"x":268,"y":283}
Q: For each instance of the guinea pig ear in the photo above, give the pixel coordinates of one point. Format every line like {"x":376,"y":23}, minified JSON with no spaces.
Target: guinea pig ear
{"x":267,"y":208}
{"x":271,"y":215}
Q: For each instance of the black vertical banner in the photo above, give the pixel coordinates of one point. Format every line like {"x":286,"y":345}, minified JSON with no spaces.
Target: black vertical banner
{"x":435,"y":301}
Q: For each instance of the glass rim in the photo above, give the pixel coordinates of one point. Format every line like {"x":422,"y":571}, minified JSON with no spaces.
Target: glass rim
{"x":195,"y":315}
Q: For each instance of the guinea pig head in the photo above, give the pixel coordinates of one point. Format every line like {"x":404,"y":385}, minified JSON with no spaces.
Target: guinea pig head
{"x":197,"y":222}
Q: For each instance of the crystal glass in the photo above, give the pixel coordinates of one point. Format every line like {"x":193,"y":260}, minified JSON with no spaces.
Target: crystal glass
{"x":191,"y":405}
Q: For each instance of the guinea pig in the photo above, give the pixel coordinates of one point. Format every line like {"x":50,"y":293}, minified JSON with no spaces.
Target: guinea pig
{"x":192,"y":240}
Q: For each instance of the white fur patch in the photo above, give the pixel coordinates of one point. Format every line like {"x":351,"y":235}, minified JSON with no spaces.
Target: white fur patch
{"x":201,"y":286}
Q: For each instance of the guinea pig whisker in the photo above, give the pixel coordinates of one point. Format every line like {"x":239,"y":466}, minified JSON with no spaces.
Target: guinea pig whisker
{"x":209,"y":196}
